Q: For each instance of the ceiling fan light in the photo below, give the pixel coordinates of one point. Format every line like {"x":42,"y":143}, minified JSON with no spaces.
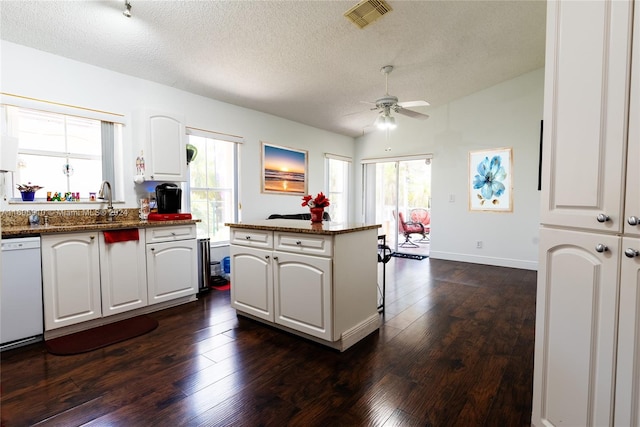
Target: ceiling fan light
{"x":391,"y":123}
{"x":380,"y":122}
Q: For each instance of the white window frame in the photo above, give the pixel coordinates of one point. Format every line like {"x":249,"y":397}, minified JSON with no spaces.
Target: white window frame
{"x":343,"y":201}
{"x":216,"y":136}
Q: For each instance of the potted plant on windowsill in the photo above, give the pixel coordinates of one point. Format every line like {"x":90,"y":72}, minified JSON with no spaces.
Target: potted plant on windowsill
{"x":28,"y":191}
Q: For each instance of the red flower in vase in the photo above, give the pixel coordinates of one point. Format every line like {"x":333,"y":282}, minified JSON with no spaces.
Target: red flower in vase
{"x":319,"y":202}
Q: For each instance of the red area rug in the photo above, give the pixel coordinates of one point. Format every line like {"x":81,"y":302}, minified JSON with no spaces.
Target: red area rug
{"x":223,"y":287}
{"x":102,"y":336}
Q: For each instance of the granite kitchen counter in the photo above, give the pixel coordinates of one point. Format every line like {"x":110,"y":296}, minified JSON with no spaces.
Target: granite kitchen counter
{"x":16,"y":223}
{"x":304,"y":226}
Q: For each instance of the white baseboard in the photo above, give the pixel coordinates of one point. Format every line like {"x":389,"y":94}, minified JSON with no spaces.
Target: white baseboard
{"x":475,"y":259}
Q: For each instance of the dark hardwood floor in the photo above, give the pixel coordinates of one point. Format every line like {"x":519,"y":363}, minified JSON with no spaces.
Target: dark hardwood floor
{"x":455,"y":349}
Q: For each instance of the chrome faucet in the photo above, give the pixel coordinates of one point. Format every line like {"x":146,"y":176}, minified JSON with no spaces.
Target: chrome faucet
{"x":110,"y":212}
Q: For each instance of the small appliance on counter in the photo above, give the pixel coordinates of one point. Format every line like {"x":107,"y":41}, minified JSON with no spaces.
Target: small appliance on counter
{"x":168,"y":198}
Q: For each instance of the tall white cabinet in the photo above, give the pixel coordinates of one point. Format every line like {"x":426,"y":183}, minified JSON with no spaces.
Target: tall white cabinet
{"x":587,"y":357}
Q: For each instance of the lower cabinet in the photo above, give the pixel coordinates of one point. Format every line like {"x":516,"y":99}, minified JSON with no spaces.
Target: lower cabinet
{"x":70,"y":279}
{"x":587,"y":365}
{"x":84,"y":278}
{"x":172,"y":263}
{"x":123,"y":276}
{"x":252,"y":281}
{"x":171,"y":270}
{"x":321,"y":286}
{"x":302,"y":293}
{"x":288,"y":289}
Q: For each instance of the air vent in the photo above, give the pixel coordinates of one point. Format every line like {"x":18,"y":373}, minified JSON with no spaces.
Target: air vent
{"x":367,"y":11}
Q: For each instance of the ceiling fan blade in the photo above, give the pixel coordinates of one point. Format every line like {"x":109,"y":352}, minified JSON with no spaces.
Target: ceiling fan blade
{"x":409,"y":104}
{"x":411,"y":113}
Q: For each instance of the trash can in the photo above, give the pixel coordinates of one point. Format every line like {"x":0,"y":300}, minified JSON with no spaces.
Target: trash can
{"x":204,"y":264}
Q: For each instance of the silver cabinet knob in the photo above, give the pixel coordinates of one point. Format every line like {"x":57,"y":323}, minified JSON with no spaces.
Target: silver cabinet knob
{"x":92,"y":237}
{"x":298,"y":242}
{"x":633,"y":220}
{"x":601,"y":248}
{"x":275,"y":258}
{"x":603,"y":218}
{"x":267,"y":257}
{"x":630,"y":253}
{"x":248,"y":237}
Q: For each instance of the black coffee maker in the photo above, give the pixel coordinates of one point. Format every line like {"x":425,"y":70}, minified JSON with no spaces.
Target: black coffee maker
{"x":168,"y":198}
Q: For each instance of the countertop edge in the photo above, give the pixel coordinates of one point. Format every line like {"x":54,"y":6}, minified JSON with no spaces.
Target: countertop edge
{"x":327,"y":228}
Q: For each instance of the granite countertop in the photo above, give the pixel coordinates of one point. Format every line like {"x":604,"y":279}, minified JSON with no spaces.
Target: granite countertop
{"x":25,"y":230}
{"x":16,"y":223}
{"x":303,"y":226}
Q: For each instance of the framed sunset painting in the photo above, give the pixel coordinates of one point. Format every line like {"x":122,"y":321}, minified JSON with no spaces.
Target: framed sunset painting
{"x":284,"y":170}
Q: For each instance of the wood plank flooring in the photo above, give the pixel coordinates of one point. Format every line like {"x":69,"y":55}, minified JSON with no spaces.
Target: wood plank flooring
{"x":455,"y":349}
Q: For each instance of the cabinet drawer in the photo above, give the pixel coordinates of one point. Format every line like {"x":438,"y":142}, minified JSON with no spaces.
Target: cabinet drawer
{"x":170,"y":233}
{"x":254,"y":238}
{"x":304,"y":243}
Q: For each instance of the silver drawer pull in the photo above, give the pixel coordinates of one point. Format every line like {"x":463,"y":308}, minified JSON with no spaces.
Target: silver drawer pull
{"x":298,"y":242}
{"x":173,"y":233}
{"x":247,"y":237}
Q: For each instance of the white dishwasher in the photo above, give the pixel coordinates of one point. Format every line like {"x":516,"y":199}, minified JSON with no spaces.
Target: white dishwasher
{"x":20,"y":293}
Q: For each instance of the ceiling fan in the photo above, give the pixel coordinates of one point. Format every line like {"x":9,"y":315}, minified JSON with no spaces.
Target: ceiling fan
{"x":389,"y":103}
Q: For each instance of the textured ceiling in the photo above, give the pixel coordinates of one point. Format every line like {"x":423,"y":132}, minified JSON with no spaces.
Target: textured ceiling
{"x":301,"y":60}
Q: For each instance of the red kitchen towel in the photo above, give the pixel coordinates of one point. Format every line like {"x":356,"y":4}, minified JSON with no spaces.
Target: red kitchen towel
{"x":114,"y":236}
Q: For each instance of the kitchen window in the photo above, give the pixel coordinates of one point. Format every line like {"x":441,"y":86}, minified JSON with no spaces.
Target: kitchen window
{"x":338,"y":170}
{"x":213,"y":183}
{"x":63,"y":153}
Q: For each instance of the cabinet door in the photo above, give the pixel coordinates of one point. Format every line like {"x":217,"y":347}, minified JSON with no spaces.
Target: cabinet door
{"x":628,"y":371}
{"x":632,"y":201}
{"x":70,"y":279}
{"x":575,"y":329}
{"x":252,"y":281}
{"x":167,"y":155}
{"x":302,"y":292}
{"x":172,"y":270}
{"x":123,"y":276}
{"x":585,"y":112}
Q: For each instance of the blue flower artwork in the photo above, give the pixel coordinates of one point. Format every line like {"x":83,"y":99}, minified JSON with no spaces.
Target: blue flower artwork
{"x":490,"y":180}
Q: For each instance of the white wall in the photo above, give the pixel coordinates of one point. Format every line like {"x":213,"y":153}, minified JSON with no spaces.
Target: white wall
{"x":32,"y":73}
{"x":505,"y":115}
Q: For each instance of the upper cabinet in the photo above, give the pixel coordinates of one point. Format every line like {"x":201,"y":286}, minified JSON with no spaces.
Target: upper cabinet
{"x":588,"y":67}
{"x":164,"y":155}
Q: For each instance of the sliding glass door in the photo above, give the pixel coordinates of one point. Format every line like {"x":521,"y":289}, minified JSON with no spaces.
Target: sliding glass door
{"x":400,"y":188}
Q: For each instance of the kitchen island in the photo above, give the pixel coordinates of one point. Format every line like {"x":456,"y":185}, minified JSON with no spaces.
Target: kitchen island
{"x":318,"y":281}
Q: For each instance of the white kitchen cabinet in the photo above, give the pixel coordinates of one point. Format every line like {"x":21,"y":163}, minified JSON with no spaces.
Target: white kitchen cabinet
{"x":576,"y":328}
{"x":586,"y":369}
{"x":172,"y":263}
{"x":302,"y":293}
{"x":252,"y":285}
{"x":164,"y":147}
{"x":123,"y":275}
{"x":320,"y":286}
{"x":627,"y":411}
{"x":585,"y":113}
{"x":70,"y":279}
